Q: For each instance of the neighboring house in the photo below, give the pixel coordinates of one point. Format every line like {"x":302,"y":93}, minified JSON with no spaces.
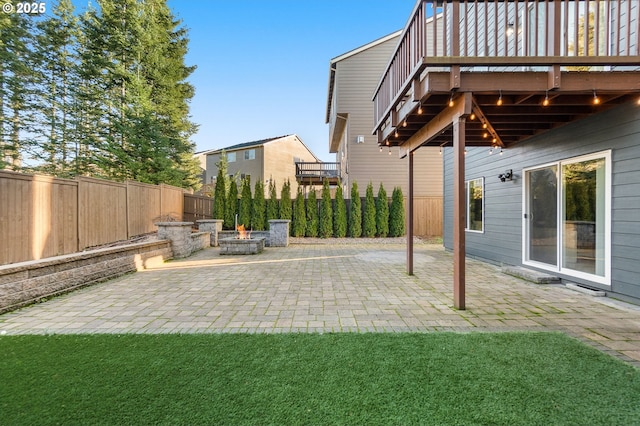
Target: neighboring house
{"x":353,"y":77}
{"x":537,"y":111}
{"x":267,"y":159}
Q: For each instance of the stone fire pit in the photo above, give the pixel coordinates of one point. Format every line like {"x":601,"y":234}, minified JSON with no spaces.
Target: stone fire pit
{"x":241,"y":245}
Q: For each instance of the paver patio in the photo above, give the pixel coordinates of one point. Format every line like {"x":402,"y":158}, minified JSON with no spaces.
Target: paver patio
{"x":330,"y":286}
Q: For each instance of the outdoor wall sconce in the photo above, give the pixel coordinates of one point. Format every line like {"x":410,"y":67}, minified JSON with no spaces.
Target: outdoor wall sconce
{"x":507,"y":175}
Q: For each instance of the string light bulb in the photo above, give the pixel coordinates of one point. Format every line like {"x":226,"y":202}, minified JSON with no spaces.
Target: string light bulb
{"x":451,"y":101}
{"x":500,"y":151}
{"x":404,"y":123}
{"x":389,"y":150}
{"x":472,"y":116}
{"x":395,"y":133}
{"x":420,"y":109}
{"x":499,"y":103}
{"x":380,"y":148}
{"x":546,"y":99}
{"x":440,"y":150}
{"x":484,"y":125}
{"x":596,"y":99}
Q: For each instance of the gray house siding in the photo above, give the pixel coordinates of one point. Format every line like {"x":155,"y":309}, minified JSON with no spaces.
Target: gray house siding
{"x":617,"y":130}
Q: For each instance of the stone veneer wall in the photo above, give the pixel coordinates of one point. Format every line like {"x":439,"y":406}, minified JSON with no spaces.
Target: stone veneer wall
{"x":183,"y":241}
{"x":28,"y":282}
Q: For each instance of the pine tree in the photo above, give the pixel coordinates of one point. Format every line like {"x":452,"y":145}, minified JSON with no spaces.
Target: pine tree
{"x":286,"y":211}
{"x":311,"y":229}
{"x":339,"y":214}
{"x":231,"y":207}
{"x":355,"y":212}
{"x":220,"y":196}
{"x":272,"y":202}
{"x":396,"y":214}
{"x":244,"y":216}
{"x":299,"y":215}
{"x":369,"y":218}
{"x":258,"y":211}
{"x":382,"y":212}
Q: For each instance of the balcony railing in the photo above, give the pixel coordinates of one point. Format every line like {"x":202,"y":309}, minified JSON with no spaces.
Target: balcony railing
{"x":506,"y":34}
{"x":315,"y":173}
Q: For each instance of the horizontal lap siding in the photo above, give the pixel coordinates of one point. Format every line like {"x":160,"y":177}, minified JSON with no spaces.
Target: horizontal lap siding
{"x":618,"y":130}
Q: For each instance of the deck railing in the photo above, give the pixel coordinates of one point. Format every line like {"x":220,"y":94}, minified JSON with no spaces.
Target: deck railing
{"x":318,"y":170}
{"x":509,"y":33}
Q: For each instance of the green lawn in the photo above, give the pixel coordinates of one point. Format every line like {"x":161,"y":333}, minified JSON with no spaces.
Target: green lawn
{"x":437,"y":378}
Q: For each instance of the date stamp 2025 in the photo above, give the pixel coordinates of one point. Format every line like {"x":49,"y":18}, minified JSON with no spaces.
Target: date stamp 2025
{"x":25,"y":8}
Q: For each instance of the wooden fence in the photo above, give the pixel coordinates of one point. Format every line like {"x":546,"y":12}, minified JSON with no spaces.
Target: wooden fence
{"x":41,"y":216}
{"x":197,"y":207}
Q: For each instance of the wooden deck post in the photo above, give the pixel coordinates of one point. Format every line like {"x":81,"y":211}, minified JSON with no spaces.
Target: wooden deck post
{"x":458,"y":213}
{"x":410,"y":217}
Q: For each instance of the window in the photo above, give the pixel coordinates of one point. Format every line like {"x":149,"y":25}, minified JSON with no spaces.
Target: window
{"x":231,"y":157}
{"x":567,"y":217}
{"x":475,"y":204}
{"x":250,"y":154}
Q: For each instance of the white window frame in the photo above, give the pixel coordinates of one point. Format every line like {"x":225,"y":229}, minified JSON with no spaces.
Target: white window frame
{"x":467,"y":224}
{"x":605,"y":279}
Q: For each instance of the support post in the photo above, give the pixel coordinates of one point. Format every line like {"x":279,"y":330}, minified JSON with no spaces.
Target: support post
{"x":410,"y":217}
{"x":459,"y":202}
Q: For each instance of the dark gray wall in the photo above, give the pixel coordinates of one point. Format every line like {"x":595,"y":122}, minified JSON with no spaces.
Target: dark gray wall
{"x":618,"y":130}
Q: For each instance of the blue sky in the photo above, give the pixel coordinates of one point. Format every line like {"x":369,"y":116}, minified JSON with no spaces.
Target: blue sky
{"x":263,"y":65}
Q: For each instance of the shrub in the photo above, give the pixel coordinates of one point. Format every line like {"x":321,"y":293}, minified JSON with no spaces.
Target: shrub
{"x":326,"y":212}
{"x":231,"y":207}
{"x":286,"y":211}
{"x":382,"y":212}
{"x":219,"y":196}
{"x":369,"y":218}
{"x":311,"y":229}
{"x":258,"y":210}
{"x":272,"y":202}
{"x":396,"y":214}
{"x":355,"y":212}
{"x":340,"y":215}
{"x":244,"y":217}
{"x":299,"y":215}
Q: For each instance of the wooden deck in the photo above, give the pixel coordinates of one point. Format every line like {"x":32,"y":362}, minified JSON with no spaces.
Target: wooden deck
{"x":316,"y":173}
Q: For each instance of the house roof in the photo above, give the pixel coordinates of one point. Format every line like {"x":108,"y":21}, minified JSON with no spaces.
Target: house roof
{"x":252,"y":144}
{"x":332,"y":62}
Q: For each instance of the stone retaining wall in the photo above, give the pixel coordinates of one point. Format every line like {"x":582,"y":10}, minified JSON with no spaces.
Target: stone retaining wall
{"x":28,"y":282}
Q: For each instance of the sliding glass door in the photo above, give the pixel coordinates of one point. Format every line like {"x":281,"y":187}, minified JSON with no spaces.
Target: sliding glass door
{"x":567,"y":217}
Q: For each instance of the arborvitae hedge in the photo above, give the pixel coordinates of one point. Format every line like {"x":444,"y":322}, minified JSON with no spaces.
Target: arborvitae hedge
{"x":258,"y":210}
{"x":244,"y":217}
{"x":326,"y":212}
{"x":382,"y":213}
{"x":286,"y":207}
{"x":299,"y":215}
{"x":369,"y":218}
{"x":396,"y":214}
{"x":312,"y":215}
{"x":219,"y":196}
{"x":231,"y":207}
{"x":339,"y":215}
{"x":355,"y":213}
{"x":272,"y":202}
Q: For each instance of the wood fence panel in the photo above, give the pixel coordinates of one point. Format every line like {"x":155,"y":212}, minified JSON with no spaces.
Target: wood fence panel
{"x":171,"y":203}
{"x":38,"y":217}
{"x":143,"y":208}
{"x":102,"y":212}
{"x":197,"y":207}
{"x":427,"y":216}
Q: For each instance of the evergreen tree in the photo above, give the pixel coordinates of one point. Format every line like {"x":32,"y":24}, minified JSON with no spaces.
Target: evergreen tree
{"x":286,"y":211}
{"x":272,"y":202}
{"x":231,"y":207}
{"x":57,"y":75}
{"x":355,"y":212}
{"x":326,"y":212}
{"x":244,"y":215}
{"x":311,"y":229}
{"x":382,"y":212}
{"x":220,"y":196}
{"x":340,"y":215}
{"x":396,"y":214}
{"x":258,"y":212}
{"x":369,"y":218}
{"x":299,"y":215}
